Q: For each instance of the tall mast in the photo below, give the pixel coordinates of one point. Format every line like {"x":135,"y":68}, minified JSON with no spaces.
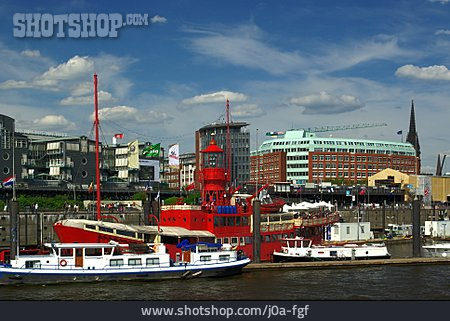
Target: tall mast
{"x":97,"y":158}
{"x":228,"y":144}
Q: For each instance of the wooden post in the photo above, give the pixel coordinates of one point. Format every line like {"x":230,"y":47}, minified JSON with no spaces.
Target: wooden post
{"x":14,"y":228}
{"x":416,"y":228}
{"x":256,"y":231}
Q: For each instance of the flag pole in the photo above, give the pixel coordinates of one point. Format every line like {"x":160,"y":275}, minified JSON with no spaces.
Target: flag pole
{"x":13,"y":162}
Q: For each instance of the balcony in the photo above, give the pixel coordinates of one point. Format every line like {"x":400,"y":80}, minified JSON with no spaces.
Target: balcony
{"x":59,"y":164}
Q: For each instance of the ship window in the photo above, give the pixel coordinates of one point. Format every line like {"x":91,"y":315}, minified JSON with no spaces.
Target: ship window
{"x":126,"y":233}
{"x":224,"y":258}
{"x":241,"y":241}
{"x":106,"y":229}
{"x":33,"y":264}
{"x":152,"y":261}
{"x":267,"y":238}
{"x":205,"y":258}
{"x":248,"y":240}
{"x":244,"y":221}
{"x":333,"y":253}
{"x":216,"y":221}
{"x":234,"y":241}
{"x":66,"y":252}
{"x":230,"y":221}
{"x":238,"y":221}
{"x":226,"y":240}
{"x":218,"y":240}
{"x":93,"y":252}
{"x":116,"y":262}
{"x":107,"y":250}
{"x":134,"y":262}
{"x":348,"y":229}
{"x":91,"y":227}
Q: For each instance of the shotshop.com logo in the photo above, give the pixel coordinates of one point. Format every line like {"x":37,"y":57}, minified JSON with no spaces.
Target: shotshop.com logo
{"x":74,"y":25}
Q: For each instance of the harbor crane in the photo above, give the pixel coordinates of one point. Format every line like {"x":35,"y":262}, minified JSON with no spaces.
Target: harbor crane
{"x":440,"y":164}
{"x":332,"y":128}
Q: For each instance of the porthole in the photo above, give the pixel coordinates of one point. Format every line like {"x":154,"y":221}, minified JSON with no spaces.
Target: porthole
{"x":5,"y":156}
{"x":5,"y":170}
{"x":84,"y":174}
{"x":84,"y":161}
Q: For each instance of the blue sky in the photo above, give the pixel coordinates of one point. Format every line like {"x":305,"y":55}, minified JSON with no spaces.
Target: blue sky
{"x":283,"y":64}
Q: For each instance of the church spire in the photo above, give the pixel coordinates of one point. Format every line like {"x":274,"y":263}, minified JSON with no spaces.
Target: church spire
{"x":413,"y":137}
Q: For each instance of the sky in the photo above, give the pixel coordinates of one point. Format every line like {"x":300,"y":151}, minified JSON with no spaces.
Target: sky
{"x":282,"y":64}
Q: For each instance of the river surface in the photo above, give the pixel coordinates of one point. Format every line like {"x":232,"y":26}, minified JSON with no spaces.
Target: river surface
{"x":411,"y":282}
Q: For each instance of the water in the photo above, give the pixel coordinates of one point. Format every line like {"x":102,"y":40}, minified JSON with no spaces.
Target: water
{"x":411,"y":282}
{"x":416,"y":282}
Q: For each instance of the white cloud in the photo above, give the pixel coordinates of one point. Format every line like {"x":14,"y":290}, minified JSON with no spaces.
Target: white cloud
{"x":327,"y":103}
{"x":158,"y":19}
{"x":31,"y":53}
{"x":440,"y":1}
{"x":103,"y":97}
{"x":76,"y":67}
{"x":436,"y":72}
{"x":53,"y":121}
{"x":244,"y":46}
{"x":247,"y":110}
{"x":339,"y":57}
{"x":127,"y":115}
{"x":220,"y":96}
{"x":442,"y":32}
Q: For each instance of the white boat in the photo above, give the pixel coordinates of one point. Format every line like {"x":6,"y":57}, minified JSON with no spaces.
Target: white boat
{"x":300,"y":249}
{"x":82,"y":262}
{"x":437,"y":250}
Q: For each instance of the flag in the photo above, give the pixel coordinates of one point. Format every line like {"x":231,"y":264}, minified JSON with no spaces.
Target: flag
{"x":118,"y":136}
{"x":190,"y":186}
{"x":152,"y":150}
{"x":133,"y":154}
{"x":8,"y":181}
{"x":400,"y":132}
{"x":91,"y":187}
{"x":174,"y":155}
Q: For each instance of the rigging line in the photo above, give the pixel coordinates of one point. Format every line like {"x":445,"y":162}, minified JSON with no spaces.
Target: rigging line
{"x":151,"y":136}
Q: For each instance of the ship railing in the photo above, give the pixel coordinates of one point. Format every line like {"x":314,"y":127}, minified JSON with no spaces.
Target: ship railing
{"x":317,"y":221}
{"x":276,"y":226}
{"x":181,"y":207}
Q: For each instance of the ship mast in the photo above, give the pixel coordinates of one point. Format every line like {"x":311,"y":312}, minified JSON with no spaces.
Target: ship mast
{"x":228,"y":141}
{"x":97,"y":158}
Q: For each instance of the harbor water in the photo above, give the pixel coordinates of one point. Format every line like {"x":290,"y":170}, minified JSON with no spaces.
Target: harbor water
{"x":389,"y":282}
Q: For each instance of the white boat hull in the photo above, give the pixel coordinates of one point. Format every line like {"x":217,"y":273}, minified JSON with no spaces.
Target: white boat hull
{"x":10,"y":275}
{"x":437,"y":250}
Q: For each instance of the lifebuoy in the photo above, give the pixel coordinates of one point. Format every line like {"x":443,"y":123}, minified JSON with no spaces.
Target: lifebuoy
{"x":63,"y":262}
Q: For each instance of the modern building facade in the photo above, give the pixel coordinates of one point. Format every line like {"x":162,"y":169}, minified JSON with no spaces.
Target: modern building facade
{"x":272,"y":168}
{"x":240,"y":147}
{"x":187,"y":169}
{"x":314,"y":159}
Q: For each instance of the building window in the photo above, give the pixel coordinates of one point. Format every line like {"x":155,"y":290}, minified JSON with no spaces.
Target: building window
{"x":134,"y":262}
{"x":152,"y":261}
{"x":224,"y":258}
{"x":205,"y":258}
{"x":116,"y":262}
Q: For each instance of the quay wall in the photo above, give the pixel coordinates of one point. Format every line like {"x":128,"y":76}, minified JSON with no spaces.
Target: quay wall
{"x":28,"y":221}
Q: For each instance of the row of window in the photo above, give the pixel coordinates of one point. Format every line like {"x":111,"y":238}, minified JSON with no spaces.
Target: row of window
{"x":243,"y":240}
{"x":134,"y":262}
{"x":363,"y":159}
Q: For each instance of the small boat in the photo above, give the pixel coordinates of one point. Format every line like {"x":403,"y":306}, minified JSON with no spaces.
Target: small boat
{"x":437,"y":250}
{"x":91,"y":262}
{"x":300,"y":249}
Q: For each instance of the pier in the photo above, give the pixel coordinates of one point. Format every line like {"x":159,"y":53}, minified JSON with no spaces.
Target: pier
{"x":345,"y":264}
